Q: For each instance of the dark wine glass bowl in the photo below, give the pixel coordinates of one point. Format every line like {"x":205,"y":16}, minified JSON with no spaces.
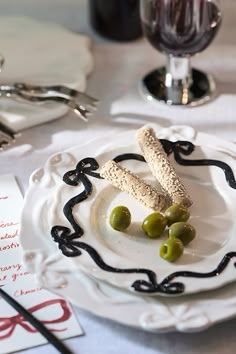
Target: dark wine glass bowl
{"x":180,"y":29}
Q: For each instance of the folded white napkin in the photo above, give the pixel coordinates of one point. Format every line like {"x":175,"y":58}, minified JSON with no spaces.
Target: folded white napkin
{"x":42,"y":54}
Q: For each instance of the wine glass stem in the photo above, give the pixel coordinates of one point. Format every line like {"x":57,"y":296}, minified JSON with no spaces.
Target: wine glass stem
{"x":178,"y":79}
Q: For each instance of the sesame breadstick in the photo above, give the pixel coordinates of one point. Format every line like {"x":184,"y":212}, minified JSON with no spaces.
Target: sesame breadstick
{"x":161,"y":167}
{"x":128,"y":182}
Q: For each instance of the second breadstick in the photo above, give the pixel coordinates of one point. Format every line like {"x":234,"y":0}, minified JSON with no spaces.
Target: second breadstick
{"x":161,"y":167}
{"x":128,"y":182}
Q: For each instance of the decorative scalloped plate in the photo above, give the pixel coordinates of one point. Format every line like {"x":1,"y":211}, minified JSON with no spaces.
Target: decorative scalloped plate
{"x":190,"y":313}
{"x":68,"y":205}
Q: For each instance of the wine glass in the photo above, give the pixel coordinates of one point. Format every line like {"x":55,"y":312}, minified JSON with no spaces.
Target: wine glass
{"x":179,"y":29}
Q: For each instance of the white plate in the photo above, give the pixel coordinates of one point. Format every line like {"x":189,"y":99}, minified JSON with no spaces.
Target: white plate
{"x":211,"y":214}
{"x":190,"y":313}
{"x":40,"y":53}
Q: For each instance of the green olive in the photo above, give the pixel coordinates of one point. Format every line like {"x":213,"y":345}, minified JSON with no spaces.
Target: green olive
{"x":120,"y":218}
{"x":171,"y":249}
{"x":176,"y":213}
{"x":154,"y":225}
{"x":183,"y":231}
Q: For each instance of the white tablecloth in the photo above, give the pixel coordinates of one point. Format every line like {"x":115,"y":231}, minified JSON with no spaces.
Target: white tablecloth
{"x":119,"y":68}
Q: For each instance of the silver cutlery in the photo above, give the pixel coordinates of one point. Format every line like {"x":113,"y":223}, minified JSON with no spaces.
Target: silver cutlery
{"x":81,"y":103}
{"x":7,"y":135}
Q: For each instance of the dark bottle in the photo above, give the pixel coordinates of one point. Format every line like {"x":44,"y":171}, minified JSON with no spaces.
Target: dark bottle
{"x":116,"y":19}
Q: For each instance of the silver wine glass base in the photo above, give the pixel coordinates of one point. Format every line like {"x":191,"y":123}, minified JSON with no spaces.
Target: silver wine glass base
{"x":200,"y":91}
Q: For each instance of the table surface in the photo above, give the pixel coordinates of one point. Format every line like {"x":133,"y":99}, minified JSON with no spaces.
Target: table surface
{"x":115,"y":80}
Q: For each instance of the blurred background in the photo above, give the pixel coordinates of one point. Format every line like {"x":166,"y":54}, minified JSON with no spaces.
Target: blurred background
{"x":71,"y":13}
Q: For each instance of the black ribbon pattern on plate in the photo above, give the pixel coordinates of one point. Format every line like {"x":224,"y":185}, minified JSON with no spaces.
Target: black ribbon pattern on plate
{"x":69,"y":239}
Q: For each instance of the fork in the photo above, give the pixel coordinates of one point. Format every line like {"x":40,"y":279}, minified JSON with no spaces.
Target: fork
{"x":79,"y":102}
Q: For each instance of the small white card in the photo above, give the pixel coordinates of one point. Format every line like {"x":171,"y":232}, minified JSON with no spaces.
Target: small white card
{"x":16,"y":333}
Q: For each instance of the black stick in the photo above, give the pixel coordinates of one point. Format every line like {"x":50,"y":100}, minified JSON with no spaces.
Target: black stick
{"x":35,"y":323}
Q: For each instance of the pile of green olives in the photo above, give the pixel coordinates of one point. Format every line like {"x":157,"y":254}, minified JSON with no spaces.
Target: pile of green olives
{"x":180,"y":233}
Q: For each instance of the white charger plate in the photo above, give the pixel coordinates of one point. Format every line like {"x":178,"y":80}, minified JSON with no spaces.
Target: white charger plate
{"x":40,"y":53}
{"x":190,"y":313}
{"x":211,"y":214}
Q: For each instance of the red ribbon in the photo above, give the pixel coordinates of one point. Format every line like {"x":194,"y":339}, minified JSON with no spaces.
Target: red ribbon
{"x":10,"y":323}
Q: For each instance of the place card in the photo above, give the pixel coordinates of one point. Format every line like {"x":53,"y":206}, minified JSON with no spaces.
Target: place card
{"x":15,"y":332}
